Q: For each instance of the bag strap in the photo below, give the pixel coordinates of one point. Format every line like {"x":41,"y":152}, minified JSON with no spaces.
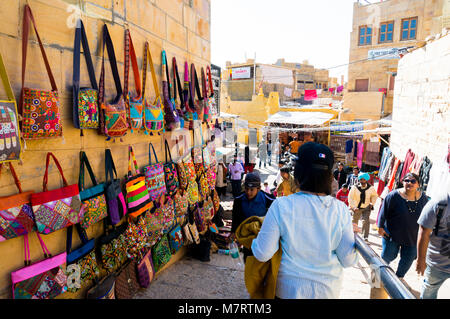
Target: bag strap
{"x":208,"y":74}
{"x":165,"y":68}
{"x":50,"y":154}
{"x":167,"y":149}
{"x":130,"y":54}
{"x":112,"y":61}
{"x":131,"y":156}
{"x":27,"y":17}
{"x":148,"y":57}
{"x":110,"y":168}
{"x":177,"y":83}
{"x":204,"y":87}
{"x":150,"y":154}
{"x":81,"y":233}
{"x":13,"y":173}
{"x":84,"y":161}
{"x":5,"y":80}
{"x":45,"y":250}
{"x":194,"y":82}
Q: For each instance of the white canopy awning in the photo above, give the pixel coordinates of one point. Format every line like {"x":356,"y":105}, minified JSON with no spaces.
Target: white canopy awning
{"x":300,"y":118}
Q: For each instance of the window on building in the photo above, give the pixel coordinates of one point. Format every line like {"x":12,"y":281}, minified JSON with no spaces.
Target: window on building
{"x":409,"y":28}
{"x":365,"y":35}
{"x":362,"y":85}
{"x":386,"y":32}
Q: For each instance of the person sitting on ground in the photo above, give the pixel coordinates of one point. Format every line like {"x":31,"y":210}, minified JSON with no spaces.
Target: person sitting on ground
{"x":361,"y":200}
{"x":252,"y":202}
{"x":313,"y":229}
{"x":288,"y":186}
{"x":342,"y":194}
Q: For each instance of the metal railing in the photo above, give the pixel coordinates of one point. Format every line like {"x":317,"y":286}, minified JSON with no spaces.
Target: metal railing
{"x":383,"y":276}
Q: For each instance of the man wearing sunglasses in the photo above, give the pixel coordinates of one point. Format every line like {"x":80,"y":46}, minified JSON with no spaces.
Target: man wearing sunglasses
{"x":397,"y":223}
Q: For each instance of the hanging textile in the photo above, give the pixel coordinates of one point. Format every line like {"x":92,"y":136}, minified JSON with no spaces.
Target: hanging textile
{"x":310,"y":95}
{"x":407,"y":162}
{"x":360,"y":153}
{"x":340,"y":89}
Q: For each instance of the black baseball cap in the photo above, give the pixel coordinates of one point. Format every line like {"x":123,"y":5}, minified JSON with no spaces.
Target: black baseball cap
{"x":315,"y":155}
{"x":252,"y":180}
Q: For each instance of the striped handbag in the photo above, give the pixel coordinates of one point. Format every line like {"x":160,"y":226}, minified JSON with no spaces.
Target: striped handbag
{"x":154,"y":176}
{"x":138,"y":199}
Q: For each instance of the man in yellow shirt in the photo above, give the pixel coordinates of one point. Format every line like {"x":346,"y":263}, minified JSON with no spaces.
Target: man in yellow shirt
{"x":294,"y":145}
{"x":288,"y":186}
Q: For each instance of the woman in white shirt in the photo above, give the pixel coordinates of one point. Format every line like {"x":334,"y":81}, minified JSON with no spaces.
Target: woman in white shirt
{"x":314,"y":229}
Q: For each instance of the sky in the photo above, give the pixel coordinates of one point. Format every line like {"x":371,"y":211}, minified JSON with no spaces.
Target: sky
{"x":296,"y":30}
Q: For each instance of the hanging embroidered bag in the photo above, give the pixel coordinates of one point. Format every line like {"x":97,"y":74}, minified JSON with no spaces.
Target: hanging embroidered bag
{"x":211,"y":100}
{"x":82,"y":269}
{"x":161,"y":253}
{"x":200,"y":218}
{"x":153,"y":112}
{"x":206,"y":109}
{"x":138,"y":199}
{"x":154,"y":220}
{"x":10,"y":144}
{"x":170,"y":114}
{"x":189,"y":114}
{"x":175,"y":239}
{"x":181,"y":203}
{"x":145,"y":271}
{"x":116,"y":203}
{"x":113,"y":116}
{"x":135,"y":105}
{"x":180,"y":108}
{"x":93,"y":200}
{"x":136,"y":235}
{"x":59,"y":208}
{"x":112,"y":247}
{"x":194,"y":87}
{"x":45,"y":279}
{"x":40,"y":109}
{"x":154,"y":176}
{"x":170,"y":173}
{"x":85,"y":100}
{"x":127,"y":283}
{"x":16,"y":214}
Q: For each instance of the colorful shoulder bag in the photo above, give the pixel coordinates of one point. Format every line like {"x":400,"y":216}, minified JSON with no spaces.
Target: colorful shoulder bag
{"x":127,"y":283}
{"x":93,"y":200}
{"x":170,"y":173}
{"x":211,"y":100}
{"x":135,"y":104}
{"x":175,"y":239}
{"x":136,"y":235}
{"x":10,"y":144}
{"x":138,"y":199}
{"x":154,"y":220}
{"x":170,"y":113}
{"x":180,"y":108}
{"x":45,"y":279}
{"x":112,"y":247}
{"x":189,"y":115}
{"x":154,"y":176}
{"x":145,"y":271}
{"x":194,"y":87}
{"x":206,"y":109}
{"x":153,"y":112}
{"x":182,"y":176}
{"x":16,"y":214}
{"x":40,"y":109}
{"x":161,"y":253}
{"x":116,"y":203}
{"x":181,"y":203}
{"x":82,"y":269}
{"x":85,"y":100}
{"x":58,"y":208}
{"x":113,"y":116}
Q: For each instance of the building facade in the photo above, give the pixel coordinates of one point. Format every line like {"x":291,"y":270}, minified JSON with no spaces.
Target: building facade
{"x":381,"y":33}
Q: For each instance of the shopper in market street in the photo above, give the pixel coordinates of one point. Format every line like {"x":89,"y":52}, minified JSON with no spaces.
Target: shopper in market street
{"x":340,"y":175}
{"x":294,"y":145}
{"x":262,"y":153}
{"x":361,"y":200}
{"x":342,"y":194}
{"x":397,"y":223}
{"x":314,"y":230}
{"x":221,"y":178}
{"x":235,"y":170}
{"x":352,"y":179}
{"x":289,"y":185}
{"x":252,"y":202}
{"x":269,"y":152}
{"x":433,"y":245}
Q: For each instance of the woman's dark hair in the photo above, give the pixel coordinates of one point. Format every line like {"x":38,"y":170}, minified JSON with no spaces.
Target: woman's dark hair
{"x":314,"y":176}
{"x":415,"y":176}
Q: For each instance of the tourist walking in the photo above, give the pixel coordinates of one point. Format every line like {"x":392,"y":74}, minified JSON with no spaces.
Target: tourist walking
{"x":352,"y":179}
{"x":221,"y":179}
{"x":433,"y":245}
{"x":361,"y":200}
{"x":313,"y":229}
{"x":340,"y":175}
{"x":262,"y":153}
{"x":397,"y":223}
{"x":235,"y":170}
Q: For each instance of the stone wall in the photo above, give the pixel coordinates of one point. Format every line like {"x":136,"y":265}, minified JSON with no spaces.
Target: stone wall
{"x":421,"y":114}
{"x":181,"y":27}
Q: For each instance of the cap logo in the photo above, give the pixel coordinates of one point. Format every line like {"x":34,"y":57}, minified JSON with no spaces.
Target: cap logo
{"x":321,"y":155}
